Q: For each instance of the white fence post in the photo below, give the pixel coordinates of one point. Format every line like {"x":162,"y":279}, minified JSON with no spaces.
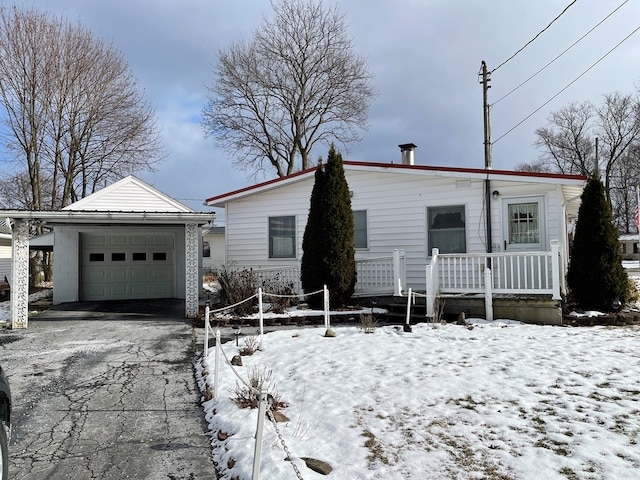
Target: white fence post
{"x":258,"y":448}
{"x":325,"y":303}
{"x":206,"y":330}
{"x":555,"y":269}
{"x":216,"y":367}
{"x":431,"y":282}
{"x":488,"y":294}
{"x":408,"y":320}
{"x":260,"y":312}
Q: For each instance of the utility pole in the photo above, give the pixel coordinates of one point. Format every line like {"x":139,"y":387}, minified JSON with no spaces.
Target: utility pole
{"x":484,"y":80}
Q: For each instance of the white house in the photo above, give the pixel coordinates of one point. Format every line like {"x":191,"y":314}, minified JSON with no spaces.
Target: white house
{"x":5,"y":251}
{"x":629,"y":246}
{"x":126,"y":241}
{"x":213,"y":247}
{"x":410,"y":210}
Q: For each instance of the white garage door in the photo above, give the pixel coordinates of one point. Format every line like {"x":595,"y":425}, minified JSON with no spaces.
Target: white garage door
{"x":134,"y":266}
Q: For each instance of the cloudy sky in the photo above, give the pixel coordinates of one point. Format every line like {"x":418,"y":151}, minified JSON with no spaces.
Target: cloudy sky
{"x":425,"y":56}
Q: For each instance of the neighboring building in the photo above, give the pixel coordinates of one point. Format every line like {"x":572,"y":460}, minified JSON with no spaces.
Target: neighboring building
{"x":629,"y":246}
{"x":126,"y":241}
{"x":5,"y":251}
{"x":213,"y":248}
{"x":411,"y":208}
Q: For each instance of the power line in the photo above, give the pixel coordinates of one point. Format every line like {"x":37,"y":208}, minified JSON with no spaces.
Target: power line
{"x":561,"y":54}
{"x":567,"y":86}
{"x":534,"y":38}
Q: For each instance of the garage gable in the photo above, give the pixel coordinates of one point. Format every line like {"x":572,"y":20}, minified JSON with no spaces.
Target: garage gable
{"x":129,"y":195}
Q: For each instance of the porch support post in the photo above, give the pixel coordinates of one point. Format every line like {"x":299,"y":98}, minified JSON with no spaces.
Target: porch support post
{"x":488,"y":294}
{"x":20,"y":274}
{"x":399,"y":279}
{"x":192,"y":284}
{"x":555,"y":269}
{"x":432,"y":283}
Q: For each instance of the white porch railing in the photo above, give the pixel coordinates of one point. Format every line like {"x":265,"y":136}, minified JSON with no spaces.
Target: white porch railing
{"x":381,"y":275}
{"x":375,"y":276}
{"x":534,"y":273}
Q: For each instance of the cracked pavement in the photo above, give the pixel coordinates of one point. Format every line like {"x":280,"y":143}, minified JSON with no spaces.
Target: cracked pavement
{"x":102,"y":395}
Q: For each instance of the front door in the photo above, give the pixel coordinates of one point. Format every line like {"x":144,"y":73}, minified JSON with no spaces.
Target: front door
{"x":523,"y":231}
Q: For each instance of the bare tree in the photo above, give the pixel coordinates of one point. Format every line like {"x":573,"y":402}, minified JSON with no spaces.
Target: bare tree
{"x":295,"y":84}
{"x":568,"y":145}
{"x":625,"y":177}
{"x":74,"y":117}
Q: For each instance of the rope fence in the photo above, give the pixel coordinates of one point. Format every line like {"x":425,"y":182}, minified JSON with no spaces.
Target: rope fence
{"x":260,"y":295}
{"x":264,"y":409}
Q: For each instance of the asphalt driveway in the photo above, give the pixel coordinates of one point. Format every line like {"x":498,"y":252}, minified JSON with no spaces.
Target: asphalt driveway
{"x":106,"y":391}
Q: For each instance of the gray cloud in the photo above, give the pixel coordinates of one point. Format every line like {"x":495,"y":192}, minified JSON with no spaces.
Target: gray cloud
{"x":425,"y":56}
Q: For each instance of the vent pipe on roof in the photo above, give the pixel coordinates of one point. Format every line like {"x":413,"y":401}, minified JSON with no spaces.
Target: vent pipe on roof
{"x":407,"y":150}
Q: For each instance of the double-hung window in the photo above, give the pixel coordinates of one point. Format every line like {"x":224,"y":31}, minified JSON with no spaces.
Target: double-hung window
{"x":446,"y":227}
{"x":282,"y":237}
{"x":360,"y":229}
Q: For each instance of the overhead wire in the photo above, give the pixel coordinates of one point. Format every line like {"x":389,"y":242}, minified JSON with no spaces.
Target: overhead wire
{"x":562,"y":53}
{"x":566,"y":86}
{"x":534,"y":38}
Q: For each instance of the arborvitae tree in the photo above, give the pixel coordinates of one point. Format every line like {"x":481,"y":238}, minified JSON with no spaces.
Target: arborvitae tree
{"x":328,"y":250}
{"x":596,"y":276}
{"x":313,"y":270}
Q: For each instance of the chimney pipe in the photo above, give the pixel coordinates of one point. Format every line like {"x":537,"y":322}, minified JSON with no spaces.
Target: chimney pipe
{"x":407,"y":150}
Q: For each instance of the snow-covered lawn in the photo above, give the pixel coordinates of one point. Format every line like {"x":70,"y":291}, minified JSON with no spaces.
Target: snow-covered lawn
{"x":499,"y":401}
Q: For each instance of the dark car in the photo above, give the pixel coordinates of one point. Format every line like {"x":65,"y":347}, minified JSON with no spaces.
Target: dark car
{"x":5,"y":424}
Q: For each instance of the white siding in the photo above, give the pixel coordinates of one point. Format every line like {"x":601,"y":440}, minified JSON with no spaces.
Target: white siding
{"x":129,"y":195}
{"x":217,"y":251}
{"x":396,"y":205}
{"x":5,"y":260}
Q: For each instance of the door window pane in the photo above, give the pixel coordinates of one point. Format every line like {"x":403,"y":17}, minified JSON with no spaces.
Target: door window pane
{"x":524,"y":223}
{"x":447,"y":229}
{"x":282,"y":237}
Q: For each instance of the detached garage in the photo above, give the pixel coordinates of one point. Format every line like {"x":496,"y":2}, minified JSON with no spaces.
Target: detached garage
{"x":126,"y":241}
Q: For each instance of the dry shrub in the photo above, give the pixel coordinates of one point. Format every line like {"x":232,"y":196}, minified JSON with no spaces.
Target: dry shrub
{"x":368,"y":322}
{"x":282,"y":291}
{"x":236,"y":286}
{"x":251,"y":345}
{"x":246,"y":396}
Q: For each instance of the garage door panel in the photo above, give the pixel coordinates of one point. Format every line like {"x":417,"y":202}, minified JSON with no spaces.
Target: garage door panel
{"x":116,"y":266}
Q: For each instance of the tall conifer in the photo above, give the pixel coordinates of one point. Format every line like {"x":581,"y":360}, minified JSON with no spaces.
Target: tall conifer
{"x":596,"y":276}
{"x":328,"y":248}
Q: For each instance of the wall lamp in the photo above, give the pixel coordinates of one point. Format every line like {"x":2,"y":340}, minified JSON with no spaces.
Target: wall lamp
{"x":495,"y":194}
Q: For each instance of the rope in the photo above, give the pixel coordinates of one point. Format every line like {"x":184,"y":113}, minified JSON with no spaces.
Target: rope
{"x":289,"y":458}
{"x":256,"y":391}
{"x":300,"y":295}
{"x":228,"y":307}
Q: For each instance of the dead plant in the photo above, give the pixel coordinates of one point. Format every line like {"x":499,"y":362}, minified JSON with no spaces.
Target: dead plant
{"x":245,"y":395}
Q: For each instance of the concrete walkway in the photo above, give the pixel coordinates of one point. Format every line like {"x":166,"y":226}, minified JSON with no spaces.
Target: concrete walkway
{"x":106,"y":392}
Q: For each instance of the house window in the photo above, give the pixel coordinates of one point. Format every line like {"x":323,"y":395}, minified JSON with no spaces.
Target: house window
{"x":282,"y":237}
{"x":524,"y":223}
{"x":118,"y":257}
{"x":447,"y":229}
{"x":206,"y":249}
{"x":360,"y":228}
{"x":159,"y":256}
{"x":96,"y":257}
{"x":139,"y":256}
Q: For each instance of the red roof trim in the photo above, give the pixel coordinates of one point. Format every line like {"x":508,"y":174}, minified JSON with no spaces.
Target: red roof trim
{"x":400,"y":166}
{"x":259,"y":185}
